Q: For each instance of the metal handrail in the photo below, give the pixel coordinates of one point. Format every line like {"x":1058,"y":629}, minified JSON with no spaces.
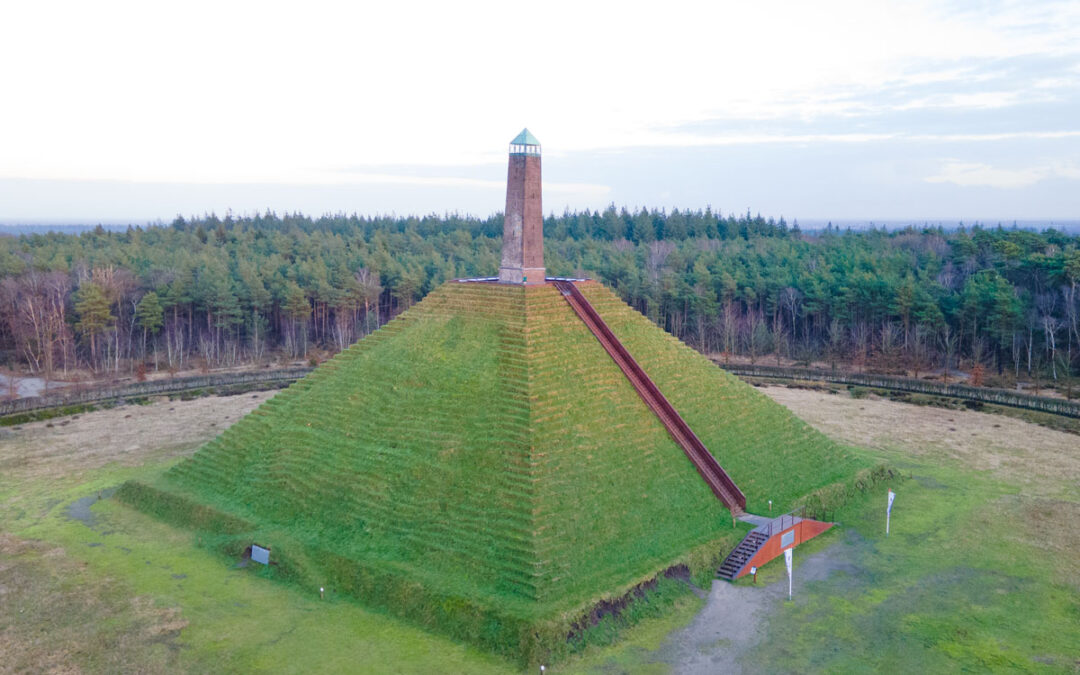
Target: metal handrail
{"x":785,"y":520}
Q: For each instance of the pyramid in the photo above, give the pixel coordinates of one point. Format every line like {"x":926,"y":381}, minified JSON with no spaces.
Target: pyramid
{"x":492,"y":463}
{"x":481,"y":465}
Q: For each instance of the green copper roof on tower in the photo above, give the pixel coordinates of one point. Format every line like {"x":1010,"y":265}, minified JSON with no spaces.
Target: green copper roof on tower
{"x":525,"y":138}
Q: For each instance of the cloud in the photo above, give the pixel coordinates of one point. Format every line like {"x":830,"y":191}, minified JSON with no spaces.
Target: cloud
{"x":432,"y":83}
{"x":422,"y":97}
{"x":976,"y":174}
{"x":583,"y":190}
{"x":566,"y":190}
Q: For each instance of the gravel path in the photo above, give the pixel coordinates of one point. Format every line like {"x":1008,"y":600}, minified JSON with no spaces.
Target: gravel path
{"x":735,"y":616}
{"x":27,"y":386}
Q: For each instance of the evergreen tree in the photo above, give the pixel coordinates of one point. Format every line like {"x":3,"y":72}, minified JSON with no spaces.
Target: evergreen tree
{"x":95,"y":316}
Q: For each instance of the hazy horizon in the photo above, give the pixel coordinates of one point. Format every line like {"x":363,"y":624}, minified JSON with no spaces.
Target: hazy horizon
{"x":806,"y":225}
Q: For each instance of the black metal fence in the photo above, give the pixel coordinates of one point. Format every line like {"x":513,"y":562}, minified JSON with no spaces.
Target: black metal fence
{"x":784,"y":521}
{"x":1005,"y":397}
{"x":150,"y":388}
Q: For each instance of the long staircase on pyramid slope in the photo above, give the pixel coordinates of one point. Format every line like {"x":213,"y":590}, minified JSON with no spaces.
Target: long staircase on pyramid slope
{"x":711,"y":471}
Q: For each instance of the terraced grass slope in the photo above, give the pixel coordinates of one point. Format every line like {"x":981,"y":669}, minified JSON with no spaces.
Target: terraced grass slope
{"x":768,"y":451}
{"x":482,"y":465}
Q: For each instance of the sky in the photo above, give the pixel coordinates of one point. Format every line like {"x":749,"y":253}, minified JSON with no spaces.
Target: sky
{"x":116,"y":111}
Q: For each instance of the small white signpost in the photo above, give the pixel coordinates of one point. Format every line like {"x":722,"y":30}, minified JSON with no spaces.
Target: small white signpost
{"x":787,"y":561}
{"x":888,"y":511}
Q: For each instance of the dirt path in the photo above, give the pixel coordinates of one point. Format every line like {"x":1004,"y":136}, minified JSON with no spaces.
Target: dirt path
{"x":734,"y":617}
{"x":27,"y":386}
{"x":132,"y":435}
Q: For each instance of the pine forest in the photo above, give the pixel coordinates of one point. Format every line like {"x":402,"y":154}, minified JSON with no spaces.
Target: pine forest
{"x":212,"y":292}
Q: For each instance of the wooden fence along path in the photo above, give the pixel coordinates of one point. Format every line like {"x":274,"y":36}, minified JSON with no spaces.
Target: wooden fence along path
{"x":1006,"y":397}
{"x":150,"y":388}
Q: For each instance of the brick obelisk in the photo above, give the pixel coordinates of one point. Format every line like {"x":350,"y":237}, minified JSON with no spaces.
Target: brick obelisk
{"x":523,"y":227}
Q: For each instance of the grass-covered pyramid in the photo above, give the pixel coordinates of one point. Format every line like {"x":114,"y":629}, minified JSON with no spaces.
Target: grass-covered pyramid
{"x":481,"y":466}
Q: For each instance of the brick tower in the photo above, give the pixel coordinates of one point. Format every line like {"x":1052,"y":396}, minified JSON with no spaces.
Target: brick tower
{"x":523,"y":228}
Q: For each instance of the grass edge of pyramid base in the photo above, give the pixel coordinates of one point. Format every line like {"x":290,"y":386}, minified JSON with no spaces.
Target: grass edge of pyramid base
{"x":527,"y":641}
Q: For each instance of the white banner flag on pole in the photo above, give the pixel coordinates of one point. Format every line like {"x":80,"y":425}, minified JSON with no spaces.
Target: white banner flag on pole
{"x":787,"y":561}
{"x":888,"y":511}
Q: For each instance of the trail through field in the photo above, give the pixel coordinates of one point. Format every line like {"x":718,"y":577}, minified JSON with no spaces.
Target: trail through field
{"x":27,"y":386}
{"x":733,"y":621}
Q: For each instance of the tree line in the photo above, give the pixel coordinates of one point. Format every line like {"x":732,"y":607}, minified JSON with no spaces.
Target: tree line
{"x":215,"y":292}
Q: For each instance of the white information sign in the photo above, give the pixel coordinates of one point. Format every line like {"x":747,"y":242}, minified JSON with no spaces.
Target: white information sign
{"x":260,"y":554}
{"x":787,"y":539}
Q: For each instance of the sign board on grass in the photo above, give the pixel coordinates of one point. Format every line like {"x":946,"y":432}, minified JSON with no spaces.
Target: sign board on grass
{"x":260,"y":554}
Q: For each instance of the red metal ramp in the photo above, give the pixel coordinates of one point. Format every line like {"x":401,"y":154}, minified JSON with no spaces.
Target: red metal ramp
{"x":715,"y":476}
{"x":769,"y":541}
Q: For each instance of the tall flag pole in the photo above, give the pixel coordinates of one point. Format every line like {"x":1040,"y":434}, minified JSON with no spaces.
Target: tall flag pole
{"x":787,"y":561}
{"x":888,"y":511}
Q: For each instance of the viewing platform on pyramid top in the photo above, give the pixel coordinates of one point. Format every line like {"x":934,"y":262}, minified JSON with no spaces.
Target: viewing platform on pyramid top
{"x":525,"y":144}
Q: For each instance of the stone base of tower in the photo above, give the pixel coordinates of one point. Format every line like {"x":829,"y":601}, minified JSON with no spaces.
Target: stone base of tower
{"x":530,"y":276}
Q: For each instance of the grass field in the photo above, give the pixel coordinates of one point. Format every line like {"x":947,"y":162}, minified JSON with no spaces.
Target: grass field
{"x":980,"y":571}
{"x":102,"y":588}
